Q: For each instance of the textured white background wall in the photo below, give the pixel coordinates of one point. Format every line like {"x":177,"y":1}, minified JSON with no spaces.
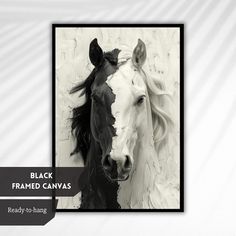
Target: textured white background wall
{"x":73,"y":66}
{"x":210,"y":100}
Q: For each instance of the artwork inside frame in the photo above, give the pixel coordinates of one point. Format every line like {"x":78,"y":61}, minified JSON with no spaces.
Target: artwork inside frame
{"x":118,"y":102}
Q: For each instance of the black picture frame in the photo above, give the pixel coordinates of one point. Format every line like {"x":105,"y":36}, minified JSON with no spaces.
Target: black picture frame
{"x":169,"y":25}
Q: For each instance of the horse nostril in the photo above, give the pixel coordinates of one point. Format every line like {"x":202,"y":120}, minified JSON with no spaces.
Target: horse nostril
{"x":128,"y":163}
{"x":107,"y":163}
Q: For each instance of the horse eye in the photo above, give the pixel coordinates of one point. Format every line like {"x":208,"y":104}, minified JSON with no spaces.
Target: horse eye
{"x":140,"y":100}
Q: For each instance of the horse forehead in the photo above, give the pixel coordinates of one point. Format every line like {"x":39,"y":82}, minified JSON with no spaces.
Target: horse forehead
{"x":120,"y":88}
{"x":121,"y":80}
{"x":126,"y":81}
{"x":123,"y":94}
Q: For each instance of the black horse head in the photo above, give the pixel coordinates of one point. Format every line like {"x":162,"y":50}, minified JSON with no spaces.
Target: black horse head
{"x":92,"y":126}
{"x":94,"y":117}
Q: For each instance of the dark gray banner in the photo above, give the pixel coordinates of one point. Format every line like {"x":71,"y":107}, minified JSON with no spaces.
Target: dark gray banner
{"x":40,"y":181}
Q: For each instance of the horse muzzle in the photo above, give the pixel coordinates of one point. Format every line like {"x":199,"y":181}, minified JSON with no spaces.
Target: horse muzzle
{"x":117,"y":168}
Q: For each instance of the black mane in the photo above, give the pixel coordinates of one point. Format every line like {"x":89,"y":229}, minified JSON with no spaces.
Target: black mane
{"x":81,"y":117}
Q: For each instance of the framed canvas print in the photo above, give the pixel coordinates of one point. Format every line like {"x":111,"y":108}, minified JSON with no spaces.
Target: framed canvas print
{"x":118,"y":113}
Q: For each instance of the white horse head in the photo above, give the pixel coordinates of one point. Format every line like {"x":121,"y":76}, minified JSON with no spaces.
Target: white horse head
{"x":141,"y":125}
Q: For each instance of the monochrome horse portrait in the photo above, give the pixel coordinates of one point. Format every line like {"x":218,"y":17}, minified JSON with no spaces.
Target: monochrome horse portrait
{"x":119,"y":129}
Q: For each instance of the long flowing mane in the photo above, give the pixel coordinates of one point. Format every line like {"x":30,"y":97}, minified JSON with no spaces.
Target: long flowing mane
{"x":158,"y":96}
{"x":81,"y":117}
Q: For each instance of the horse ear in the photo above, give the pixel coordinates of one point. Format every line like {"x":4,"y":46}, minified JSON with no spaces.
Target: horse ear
{"x":95,"y":53}
{"x":139,"y":54}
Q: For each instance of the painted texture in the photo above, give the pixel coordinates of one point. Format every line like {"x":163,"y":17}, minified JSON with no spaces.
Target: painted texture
{"x":73,"y":66}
